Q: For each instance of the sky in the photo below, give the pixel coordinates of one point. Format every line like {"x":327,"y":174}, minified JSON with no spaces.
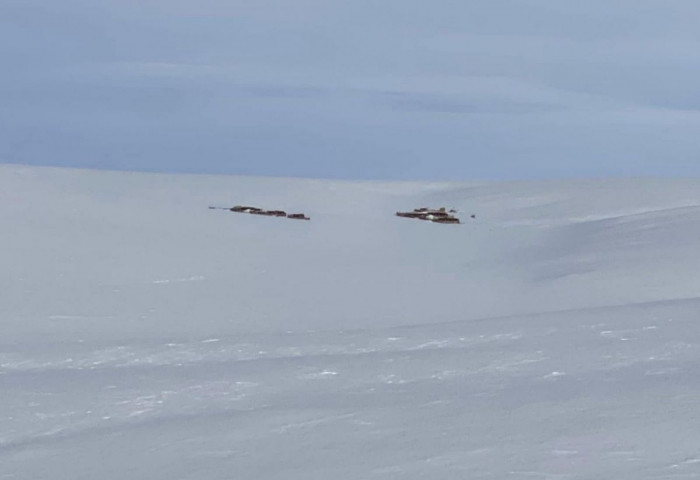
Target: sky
{"x":387,"y":89}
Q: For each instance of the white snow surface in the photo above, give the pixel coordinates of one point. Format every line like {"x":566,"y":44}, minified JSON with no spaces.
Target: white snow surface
{"x":145,"y":336}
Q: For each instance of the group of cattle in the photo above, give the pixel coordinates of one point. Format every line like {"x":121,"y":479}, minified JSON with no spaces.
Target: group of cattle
{"x":269,"y":213}
{"x":441,"y":215}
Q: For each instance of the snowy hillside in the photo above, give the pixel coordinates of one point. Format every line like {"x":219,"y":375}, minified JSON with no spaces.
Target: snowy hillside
{"x":144,"y":335}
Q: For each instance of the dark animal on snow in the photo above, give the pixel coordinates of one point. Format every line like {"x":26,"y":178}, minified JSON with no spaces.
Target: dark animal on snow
{"x":244,"y":209}
{"x":446,"y":220}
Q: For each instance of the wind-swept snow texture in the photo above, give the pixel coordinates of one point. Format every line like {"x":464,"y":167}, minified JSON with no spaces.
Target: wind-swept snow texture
{"x":144,"y":336}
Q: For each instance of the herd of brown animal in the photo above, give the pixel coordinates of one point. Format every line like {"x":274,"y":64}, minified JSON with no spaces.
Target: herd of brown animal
{"x":441,"y":215}
{"x":269,"y":213}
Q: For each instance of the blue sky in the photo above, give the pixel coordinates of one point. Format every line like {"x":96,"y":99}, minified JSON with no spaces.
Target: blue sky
{"x":393,"y":89}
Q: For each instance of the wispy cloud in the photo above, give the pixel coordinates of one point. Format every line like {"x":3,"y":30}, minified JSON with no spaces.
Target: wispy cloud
{"x":327,"y":88}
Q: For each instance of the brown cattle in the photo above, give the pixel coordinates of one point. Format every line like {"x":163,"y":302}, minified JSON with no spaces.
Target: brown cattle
{"x":439,"y":214}
{"x":271,"y":213}
{"x":419,"y":215}
{"x":446,"y":220}
{"x":244,"y":209}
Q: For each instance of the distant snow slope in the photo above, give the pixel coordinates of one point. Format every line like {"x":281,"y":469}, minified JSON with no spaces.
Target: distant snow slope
{"x":145,"y":336}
